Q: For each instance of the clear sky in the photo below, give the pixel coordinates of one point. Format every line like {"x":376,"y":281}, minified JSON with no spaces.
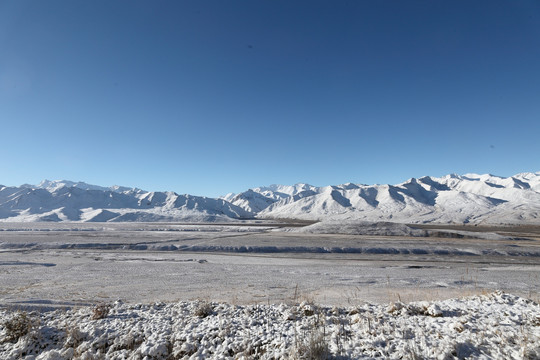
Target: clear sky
{"x":211,"y":97}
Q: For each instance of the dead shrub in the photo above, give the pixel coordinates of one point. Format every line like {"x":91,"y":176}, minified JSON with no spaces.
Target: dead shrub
{"x":100,"y":311}
{"x":203,"y":309}
{"x":313,"y":343}
{"x":18,"y":326}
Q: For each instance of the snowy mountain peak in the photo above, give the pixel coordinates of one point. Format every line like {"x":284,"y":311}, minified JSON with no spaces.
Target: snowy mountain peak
{"x":58,"y":184}
{"x":55,"y":185}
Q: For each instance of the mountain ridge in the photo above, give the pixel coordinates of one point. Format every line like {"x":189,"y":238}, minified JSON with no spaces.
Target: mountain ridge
{"x":468,"y":198}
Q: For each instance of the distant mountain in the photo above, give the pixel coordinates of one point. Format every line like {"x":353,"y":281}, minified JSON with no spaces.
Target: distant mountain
{"x":468,"y":198}
{"x":54,"y":185}
{"x":69,"y":201}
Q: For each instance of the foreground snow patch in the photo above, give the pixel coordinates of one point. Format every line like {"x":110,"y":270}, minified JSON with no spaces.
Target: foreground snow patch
{"x":495,"y":326}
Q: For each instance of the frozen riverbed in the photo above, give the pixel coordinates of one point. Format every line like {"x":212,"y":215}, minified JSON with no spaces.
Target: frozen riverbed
{"x":47,"y":265}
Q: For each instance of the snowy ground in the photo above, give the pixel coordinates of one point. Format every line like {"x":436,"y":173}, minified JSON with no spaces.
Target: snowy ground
{"x":46,"y":266}
{"x":493,"y":326}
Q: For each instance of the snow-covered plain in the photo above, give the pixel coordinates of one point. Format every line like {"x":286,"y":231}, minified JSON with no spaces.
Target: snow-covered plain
{"x":46,"y":263}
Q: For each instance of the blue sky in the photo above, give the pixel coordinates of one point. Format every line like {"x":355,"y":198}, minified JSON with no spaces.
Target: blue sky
{"x":210,"y":97}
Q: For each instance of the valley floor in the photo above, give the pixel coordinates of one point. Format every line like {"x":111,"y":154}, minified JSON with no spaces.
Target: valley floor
{"x":48,"y":265}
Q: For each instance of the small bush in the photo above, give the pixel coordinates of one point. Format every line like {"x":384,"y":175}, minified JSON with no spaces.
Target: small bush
{"x":74,"y":337}
{"x":100,"y":311}
{"x":313,"y":343}
{"x":203,"y":309}
{"x":314,"y":347}
{"x":18,"y":326}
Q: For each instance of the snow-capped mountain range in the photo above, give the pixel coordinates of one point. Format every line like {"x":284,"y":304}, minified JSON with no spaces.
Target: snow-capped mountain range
{"x":69,"y":201}
{"x":469,"y":198}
